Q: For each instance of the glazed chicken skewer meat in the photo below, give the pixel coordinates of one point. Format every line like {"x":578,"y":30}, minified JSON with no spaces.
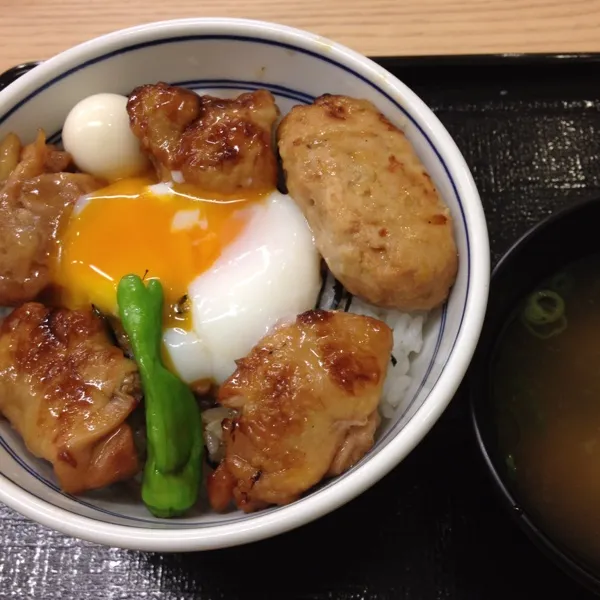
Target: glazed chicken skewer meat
{"x":307,"y":397}
{"x":36,"y":196}
{"x":68,"y":391}
{"x":220,"y":145}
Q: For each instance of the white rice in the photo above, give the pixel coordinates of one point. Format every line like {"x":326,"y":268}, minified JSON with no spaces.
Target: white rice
{"x":407,"y":329}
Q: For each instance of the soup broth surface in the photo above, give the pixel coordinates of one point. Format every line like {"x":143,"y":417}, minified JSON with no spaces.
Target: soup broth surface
{"x":546,"y":389}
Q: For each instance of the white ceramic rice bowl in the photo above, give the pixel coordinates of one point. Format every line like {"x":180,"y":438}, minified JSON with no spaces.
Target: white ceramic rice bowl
{"x":229,"y":56}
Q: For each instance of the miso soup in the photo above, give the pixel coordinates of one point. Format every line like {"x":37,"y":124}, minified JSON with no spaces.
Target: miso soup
{"x":546,"y":389}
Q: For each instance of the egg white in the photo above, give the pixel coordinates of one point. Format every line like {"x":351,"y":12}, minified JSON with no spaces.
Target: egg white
{"x":270,"y":273}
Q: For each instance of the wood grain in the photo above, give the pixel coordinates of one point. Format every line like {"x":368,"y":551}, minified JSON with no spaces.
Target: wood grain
{"x":37,"y":29}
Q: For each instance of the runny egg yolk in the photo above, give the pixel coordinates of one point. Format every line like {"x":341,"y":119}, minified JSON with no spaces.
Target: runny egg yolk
{"x":173,"y":233}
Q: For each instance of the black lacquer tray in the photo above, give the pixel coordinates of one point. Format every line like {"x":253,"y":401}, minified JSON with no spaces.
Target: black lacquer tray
{"x":529,"y":127}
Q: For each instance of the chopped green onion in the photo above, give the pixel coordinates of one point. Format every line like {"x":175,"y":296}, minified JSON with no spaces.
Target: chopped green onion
{"x":544,"y":314}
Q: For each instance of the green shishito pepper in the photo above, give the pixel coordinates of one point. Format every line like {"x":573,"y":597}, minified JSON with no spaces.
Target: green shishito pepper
{"x":175,"y":443}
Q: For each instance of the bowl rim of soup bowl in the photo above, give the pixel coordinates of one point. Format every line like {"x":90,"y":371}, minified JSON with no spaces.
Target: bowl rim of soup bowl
{"x":379,"y":462}
{"x":478,"y":383}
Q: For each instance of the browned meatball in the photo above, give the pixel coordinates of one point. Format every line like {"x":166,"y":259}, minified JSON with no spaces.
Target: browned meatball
{"x":377,"y":217}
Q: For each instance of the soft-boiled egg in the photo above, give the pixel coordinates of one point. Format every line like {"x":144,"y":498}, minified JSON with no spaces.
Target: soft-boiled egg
{"x":230,"y":269}
{"x":97,"y":134}
{"x":270,"y":273}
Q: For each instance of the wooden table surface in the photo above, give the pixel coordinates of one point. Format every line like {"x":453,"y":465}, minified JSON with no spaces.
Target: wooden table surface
{"x":37,"y":29}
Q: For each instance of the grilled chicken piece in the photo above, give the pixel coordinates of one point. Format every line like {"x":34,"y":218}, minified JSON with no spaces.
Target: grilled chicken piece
{"x":34,"y":199}
{"x":67,"y":391}
{"x":377,"y":218}
{"x":307,"y":397}
{"x":358,"y":442}
{"x":223,"y":146}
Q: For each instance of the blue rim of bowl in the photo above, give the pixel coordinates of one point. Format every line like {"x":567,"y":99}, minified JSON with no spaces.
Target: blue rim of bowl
{"x":282,"y":90}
